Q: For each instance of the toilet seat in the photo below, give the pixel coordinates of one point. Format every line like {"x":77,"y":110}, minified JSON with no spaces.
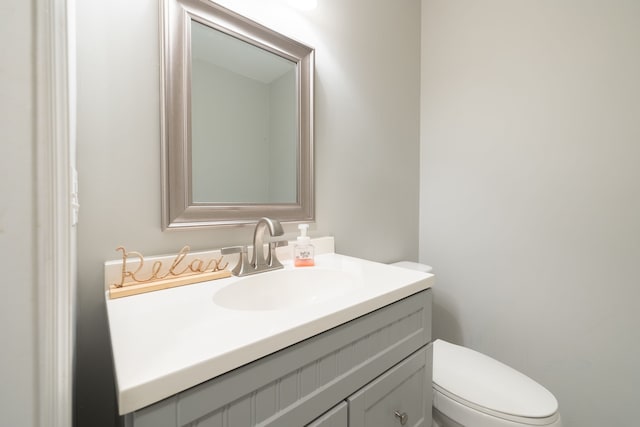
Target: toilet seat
{"x":464,"y":415}
{"x":481,"y":387}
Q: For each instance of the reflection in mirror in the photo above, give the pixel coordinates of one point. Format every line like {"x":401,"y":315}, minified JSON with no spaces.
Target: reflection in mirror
{"x":237,"y":115}
{"x":234,"y":84}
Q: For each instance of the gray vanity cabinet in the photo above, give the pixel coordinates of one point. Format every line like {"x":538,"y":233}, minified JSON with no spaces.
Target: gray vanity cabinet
{"x":357,"y":374}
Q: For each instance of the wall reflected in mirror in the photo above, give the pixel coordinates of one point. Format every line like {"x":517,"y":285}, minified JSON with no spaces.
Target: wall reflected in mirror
{"x":243,"y":107}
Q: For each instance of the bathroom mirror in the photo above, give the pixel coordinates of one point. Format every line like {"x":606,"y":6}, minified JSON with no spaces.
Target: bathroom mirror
{"x":237,"y":119}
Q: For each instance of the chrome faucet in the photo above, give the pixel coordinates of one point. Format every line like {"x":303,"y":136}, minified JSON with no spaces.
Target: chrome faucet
{"x":259,"y":263}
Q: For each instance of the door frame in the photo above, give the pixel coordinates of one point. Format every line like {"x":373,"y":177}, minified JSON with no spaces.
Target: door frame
{"x":54,"y":43}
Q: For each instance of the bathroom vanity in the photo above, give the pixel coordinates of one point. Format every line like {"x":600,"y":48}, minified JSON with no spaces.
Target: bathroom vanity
{"x":358,"y":357}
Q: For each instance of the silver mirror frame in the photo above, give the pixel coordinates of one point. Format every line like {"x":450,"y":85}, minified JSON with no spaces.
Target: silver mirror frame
{"x":178,"y":209}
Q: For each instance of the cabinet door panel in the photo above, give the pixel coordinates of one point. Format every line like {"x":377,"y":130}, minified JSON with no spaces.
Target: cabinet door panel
{"x":400,"y":395}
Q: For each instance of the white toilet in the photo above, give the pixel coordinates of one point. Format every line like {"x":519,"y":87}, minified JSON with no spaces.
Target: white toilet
{"x":471,"y":389}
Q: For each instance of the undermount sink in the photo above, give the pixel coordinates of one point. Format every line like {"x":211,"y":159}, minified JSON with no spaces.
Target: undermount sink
{"x":282,"y":289}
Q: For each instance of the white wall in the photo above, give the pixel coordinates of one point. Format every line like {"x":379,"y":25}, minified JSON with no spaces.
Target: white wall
{"x":366,"y":153}
{"x":530,"y":191}
{"x":18,"y":357}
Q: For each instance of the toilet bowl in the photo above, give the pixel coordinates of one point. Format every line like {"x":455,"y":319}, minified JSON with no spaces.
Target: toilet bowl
{"x":471,"y":389}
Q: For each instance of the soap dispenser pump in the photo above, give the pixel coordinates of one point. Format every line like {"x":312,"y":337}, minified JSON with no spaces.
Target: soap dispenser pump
{"x":303,"y":250}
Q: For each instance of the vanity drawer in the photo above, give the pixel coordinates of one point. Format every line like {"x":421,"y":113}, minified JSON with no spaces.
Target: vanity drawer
{"x":401,"y":396}
{"x":336,"y":417}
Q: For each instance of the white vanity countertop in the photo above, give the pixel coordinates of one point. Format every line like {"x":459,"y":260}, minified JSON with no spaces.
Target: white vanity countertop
{"x":167,"y":341}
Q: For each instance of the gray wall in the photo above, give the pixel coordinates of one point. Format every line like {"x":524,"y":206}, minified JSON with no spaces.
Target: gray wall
{"x":223,"y":104}
{"x":214,"y":175}
{"x":282,"y":138}
{"x":530,"y":191}
{"x":366,"y":154}
{"x":18,"y":357}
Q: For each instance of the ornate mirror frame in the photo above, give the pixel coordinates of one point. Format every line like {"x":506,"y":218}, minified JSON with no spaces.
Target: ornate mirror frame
{"x":178,"y":209}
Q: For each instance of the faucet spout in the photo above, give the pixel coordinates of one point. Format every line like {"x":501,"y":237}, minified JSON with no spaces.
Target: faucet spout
{"x":259,"y":261}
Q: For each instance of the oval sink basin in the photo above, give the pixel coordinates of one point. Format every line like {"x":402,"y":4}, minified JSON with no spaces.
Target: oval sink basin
{"x":281,"y":289}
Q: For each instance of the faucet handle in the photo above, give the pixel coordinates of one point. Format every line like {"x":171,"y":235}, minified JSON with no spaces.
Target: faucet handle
{"x":233,"y":250}
{"x":242,"y":266}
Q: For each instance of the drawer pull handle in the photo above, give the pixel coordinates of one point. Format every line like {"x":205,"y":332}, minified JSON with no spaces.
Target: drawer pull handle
{"x":403,"y":417}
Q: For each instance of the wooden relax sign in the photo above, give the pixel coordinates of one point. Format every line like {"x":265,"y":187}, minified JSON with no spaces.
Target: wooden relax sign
{"x":179,"y":273}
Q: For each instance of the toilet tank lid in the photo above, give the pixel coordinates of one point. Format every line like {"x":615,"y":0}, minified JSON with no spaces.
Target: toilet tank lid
{"x":487,"y":383}
{"x":414,"y":266}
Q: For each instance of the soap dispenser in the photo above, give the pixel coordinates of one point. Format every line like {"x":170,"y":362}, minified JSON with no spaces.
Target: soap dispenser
{"x":303,"y":250}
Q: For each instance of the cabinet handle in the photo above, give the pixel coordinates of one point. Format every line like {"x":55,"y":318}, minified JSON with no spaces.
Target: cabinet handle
{"x":403,"y":417}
